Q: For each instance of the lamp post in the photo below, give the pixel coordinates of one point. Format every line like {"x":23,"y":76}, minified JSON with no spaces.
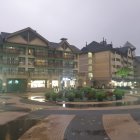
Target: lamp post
{"x":63,"y":88}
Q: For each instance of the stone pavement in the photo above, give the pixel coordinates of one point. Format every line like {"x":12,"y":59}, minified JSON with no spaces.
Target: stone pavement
{"x":51,"y":128}
{"x":121,"y":127}
{"x":72,"y":123}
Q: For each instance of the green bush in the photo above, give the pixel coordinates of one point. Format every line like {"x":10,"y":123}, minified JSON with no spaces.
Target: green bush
{"x":84,"y":94}
{"x":119,"y":93}
{"x":51,"y":96}
{"x":70,"y":96}
{"x":88,"y":93}
{"x":100,"y":95}
{"x":47,"y":95}
{"x":91,"y":94}
{"x":54,"y":96}
{"x":86,"y":90}
{"x":60,"y":94}
{"x":78,"y":94}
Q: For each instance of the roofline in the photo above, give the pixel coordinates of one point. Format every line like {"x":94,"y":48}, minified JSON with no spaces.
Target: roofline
{"x":25,"y":29}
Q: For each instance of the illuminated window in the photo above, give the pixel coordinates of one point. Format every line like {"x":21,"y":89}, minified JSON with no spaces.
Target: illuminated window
{"x":89,"y":54}
{"x":54,"y":83}
{"x":37,"y":83}
{"x":90,"y":68}
{"x":10,"y":82}
{"x":16,"y":81}
{"x":30,"y":51}
{"x":90,"y":75}
{"x":90,"y":61}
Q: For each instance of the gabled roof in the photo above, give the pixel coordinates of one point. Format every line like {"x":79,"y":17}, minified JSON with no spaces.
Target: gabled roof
{"x":75,"y":49}
{"x":57,"y":45}
{"x":53,"y":45}
{"x":96,"y":47}
{"x":24,"y":33}
{"x":128,"y":44}
{"x":5,"y":35}
{"x":124,"y":50}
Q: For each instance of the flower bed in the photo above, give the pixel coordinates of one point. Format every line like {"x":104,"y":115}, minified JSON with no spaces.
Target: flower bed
{"x":85,"y":94}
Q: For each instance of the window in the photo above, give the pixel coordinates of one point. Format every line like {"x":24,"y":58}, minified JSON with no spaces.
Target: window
{"x":117,"y":59}
{"x":11,"y":60}
{"x":90,"y":55}
{"x":90,"y":61}
{"x":21,"y":69}
{"x":30,"y":69}
{"x":90,"y":68}
{"x":30,"y":51}
{"x":22,"y":50}
{"x":30,"y":61}
{"x":90,"y":75}
{"x":21,"y":60}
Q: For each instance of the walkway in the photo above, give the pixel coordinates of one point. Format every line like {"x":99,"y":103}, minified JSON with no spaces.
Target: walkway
{"x":111,"y":123}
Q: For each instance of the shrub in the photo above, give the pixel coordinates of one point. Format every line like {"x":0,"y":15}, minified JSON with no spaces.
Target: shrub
{"x":119,"y":93}
{"x":54,"y":96}
{"x":47,"y":95}
{"x":100,"y":95}
{"x":86,"y":89}
{"x":60,"y":94}
{"x":70,"y":96}
{"x":91,"y":94}
{"x":78,"y":94}
{"x":87,"y":92}
{"x":51,"y":96}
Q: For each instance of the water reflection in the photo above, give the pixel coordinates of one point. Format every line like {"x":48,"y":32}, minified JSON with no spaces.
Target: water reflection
{"x":14,"y":129}
{"x":37,"y":98}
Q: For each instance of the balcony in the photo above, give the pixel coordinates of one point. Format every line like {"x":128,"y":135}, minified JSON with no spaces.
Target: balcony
{"x":58,"y":56}
{"x":50,"y":56}
{"x":21,"y":63}
{"x":9,"y":62}
{"x":40,"y":54}
{"x":69,"y":57}
{"x":10,"y":51}
{"x":68,"y":66}
{"x":41,"y":64}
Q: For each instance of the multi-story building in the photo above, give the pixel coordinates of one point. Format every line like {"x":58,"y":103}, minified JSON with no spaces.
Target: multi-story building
{"x":99,"y":62}
{"x":29,"y":62}
{"x":137,"y":70}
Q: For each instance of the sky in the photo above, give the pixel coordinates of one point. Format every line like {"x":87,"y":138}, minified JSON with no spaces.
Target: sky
{"x":79,"y":21}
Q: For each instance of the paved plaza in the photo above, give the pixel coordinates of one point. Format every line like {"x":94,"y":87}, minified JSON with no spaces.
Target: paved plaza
{"x":28,"y":120}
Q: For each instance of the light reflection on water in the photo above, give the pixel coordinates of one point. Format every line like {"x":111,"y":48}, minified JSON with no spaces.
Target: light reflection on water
{"x":37,"y":98}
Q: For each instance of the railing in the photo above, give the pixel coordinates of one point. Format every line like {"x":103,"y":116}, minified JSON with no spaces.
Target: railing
{"x":55,"y":56}
{"x":55,"y":65}
{"x":9,"y":62}
{"x":10,"y":51}
{"x":25,"y":74}
{"x":41,"y":54}
{"x":68,"y":66}
{"x":41,"y":64}
{"x":68,"y":57}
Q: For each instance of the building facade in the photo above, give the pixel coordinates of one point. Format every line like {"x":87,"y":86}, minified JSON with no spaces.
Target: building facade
{"x":99,"y":63}
{"x":137,"y":70}
{"x":29,"y":62}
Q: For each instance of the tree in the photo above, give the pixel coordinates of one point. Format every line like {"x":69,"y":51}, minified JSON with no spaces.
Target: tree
{"x":123,"y":72}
